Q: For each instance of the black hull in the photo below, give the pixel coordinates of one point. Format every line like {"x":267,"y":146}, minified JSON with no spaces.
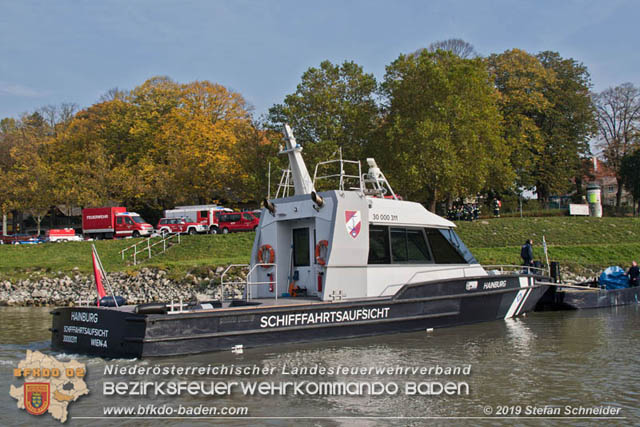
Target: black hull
{"x":415,"y":307}
{"x":569,"y":299}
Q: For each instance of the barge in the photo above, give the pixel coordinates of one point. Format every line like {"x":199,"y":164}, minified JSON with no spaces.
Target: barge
{"x":348,"y":262}
{"x":567,"y":298}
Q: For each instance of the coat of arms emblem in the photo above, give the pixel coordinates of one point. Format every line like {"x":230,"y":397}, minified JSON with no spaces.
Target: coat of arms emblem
{"x":36,"y":398}
{"x":353,"y":222}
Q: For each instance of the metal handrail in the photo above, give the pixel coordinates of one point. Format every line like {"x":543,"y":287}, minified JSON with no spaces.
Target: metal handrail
{"x":342,"y":175}
{"x":514,"y":267}
{"x":148,"y":247}
{"x":247,"y":282}
{"x":229,"y":267}
{"x":275,"y":281}
{"x":464,"y":271}
{"x":464,"y":268}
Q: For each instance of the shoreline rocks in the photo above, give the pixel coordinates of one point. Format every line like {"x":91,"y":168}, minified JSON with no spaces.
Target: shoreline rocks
{"x":148,"y":285}
{"x":142,"y":286}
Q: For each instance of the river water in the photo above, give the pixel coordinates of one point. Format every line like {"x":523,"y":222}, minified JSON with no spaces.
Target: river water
{"x":554,"y":361}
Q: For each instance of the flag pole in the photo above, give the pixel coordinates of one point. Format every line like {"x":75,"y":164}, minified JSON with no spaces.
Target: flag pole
{"x":546,"y":254}
{"x":104,"y":274}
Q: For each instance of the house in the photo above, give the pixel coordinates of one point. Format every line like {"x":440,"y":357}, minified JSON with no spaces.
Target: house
{"x":600,"y":174}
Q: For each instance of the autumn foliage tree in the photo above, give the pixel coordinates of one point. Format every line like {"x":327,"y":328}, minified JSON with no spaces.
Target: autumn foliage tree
{"x":161,"y":144}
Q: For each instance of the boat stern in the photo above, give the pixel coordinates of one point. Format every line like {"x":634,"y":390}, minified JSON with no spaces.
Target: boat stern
{"x":99,"y":331}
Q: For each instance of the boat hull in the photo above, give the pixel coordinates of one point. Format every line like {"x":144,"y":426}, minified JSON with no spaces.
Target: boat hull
{"x":415,"y":307}
{"x":569,"y":299}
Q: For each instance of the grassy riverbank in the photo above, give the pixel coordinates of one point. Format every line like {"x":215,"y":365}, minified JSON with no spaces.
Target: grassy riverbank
{"x":577,"y":242}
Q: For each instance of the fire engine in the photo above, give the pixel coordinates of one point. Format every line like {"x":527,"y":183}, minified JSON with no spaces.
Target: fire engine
{"x":107,"y":223}
{"x":202,"y":214}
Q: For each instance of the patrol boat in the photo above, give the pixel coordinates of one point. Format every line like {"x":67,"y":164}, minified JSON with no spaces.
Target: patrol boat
{"x":350,"y":262}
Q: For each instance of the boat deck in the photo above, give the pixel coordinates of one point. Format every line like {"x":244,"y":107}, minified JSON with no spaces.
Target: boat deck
{"x":257,"y":303}
{"x":286,"y":301}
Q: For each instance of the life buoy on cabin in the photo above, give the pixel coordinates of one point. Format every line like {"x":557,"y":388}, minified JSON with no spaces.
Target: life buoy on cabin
{"x":321,"y":244}
{"x":272,"y":255}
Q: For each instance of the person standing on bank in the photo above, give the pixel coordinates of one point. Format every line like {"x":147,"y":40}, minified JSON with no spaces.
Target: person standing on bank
{"x":633,"y":274}
{"x":526,"y":253}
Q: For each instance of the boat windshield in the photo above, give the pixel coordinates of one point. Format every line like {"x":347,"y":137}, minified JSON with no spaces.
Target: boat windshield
{"x":452,"y":237}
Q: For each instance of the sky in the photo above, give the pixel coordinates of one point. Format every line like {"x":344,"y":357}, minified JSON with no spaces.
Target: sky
{"x":76,"y":50}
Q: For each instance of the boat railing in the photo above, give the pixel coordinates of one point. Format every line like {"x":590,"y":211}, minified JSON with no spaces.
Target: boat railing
{"x":502,"y":269}
{"x":247,"y":282}
{"x":436,"y":270}
{"x":508,"y":269}
{"x":251,"y":283}
{"x":342,"y":176}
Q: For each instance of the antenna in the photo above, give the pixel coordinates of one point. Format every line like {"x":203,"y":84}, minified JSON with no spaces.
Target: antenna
{"x":301,"y":179}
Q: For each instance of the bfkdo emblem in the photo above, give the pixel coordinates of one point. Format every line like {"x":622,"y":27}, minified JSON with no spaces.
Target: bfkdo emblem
{"x":353,"y":222}
{"x":36,"y":398}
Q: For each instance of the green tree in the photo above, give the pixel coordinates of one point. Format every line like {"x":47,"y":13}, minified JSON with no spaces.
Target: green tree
{"x":442,"y":128}
{"x":566,"y":126}
{"x":333,"y":107}
{"x":522,"y":81}
{"x":630,"y":174}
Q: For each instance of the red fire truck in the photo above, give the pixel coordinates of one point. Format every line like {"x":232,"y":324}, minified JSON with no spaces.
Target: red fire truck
{"x":202,"y":214}
{"x":107,"y":223}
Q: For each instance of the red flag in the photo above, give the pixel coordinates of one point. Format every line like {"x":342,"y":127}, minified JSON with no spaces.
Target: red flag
{"x":98,"y":276}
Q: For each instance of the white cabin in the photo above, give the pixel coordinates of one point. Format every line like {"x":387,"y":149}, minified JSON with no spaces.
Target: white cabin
{"x":374,"y":244}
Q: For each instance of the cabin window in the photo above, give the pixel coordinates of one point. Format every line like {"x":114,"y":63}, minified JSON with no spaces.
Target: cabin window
{"x":409,"y":246}
{"x":204,"y":214}
{"x":119,"y":220}
{"x":379,"y":245}
{"x":301,"y":254}
{"x":417,"y":249}
{"x":398,"y":246}
{"x":444,"y":250}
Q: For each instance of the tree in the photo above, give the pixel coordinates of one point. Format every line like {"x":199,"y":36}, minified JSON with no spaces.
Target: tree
{"x":89,"y":156}
{"x":29,"y":169}
{"x":630,"y":173}
{"x":200,"y":142}
{"x":522,"y":81}
{"x":442,"y":127}
{"x":33,"y":179}
{"x":333,"y":107}
{"x":618,"y":116}
{"x":259,"y":148}
{"x":8,"y":140}
{"x":566,"y":126}
{"x":458,"y":47}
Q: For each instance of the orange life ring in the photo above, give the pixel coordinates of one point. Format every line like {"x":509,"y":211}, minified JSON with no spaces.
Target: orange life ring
{"x":272,"y":255}
{"x":319,"y":259}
